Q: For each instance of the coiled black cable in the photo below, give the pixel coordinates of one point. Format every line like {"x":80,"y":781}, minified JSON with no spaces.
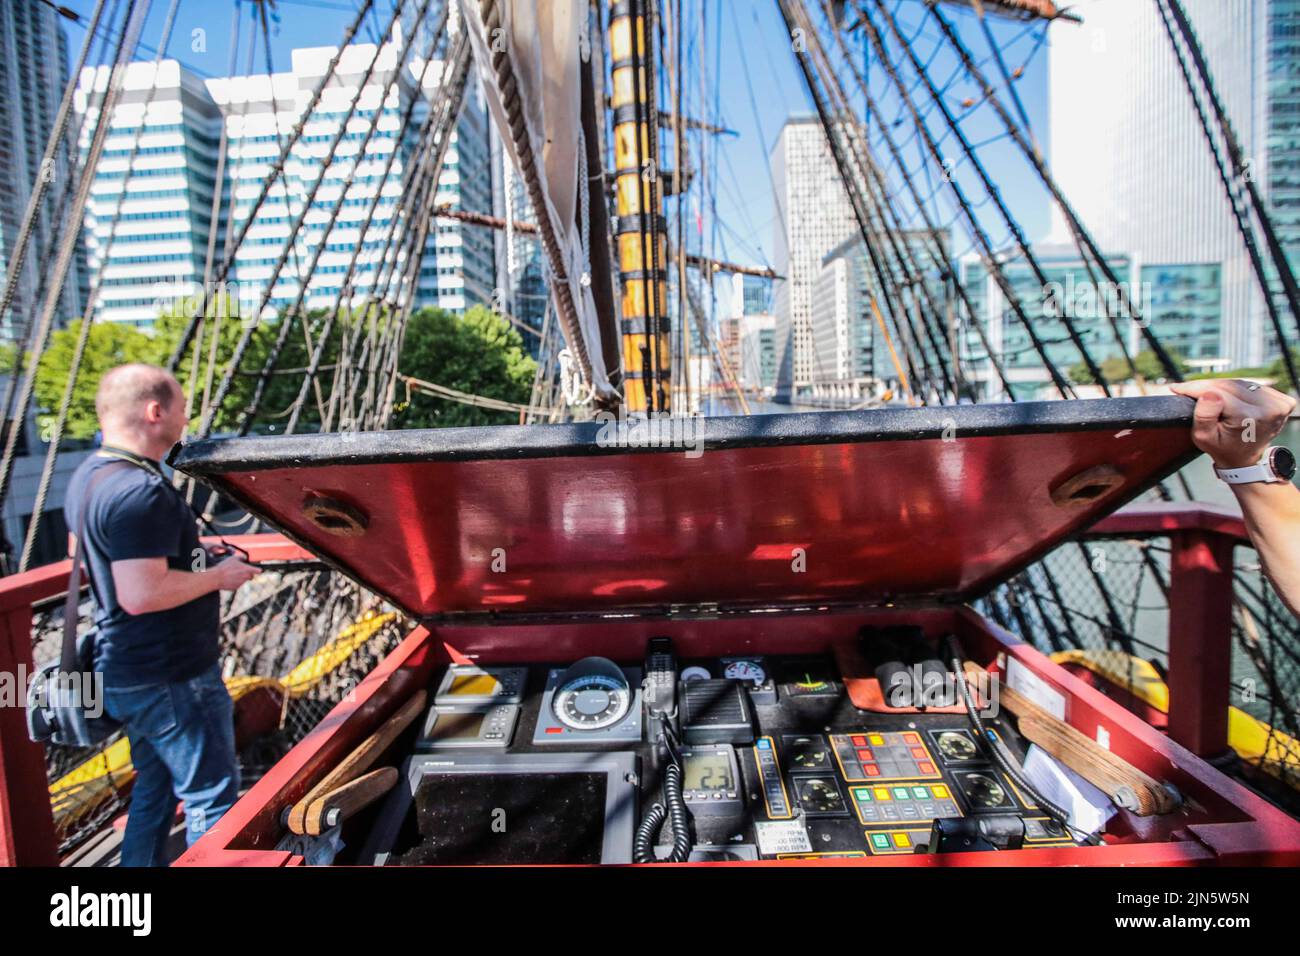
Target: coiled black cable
{"x":678,"y":819}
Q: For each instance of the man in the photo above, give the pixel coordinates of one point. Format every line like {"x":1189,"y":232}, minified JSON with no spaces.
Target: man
{"x":157,"y":611}
{"x":1233,"y":423}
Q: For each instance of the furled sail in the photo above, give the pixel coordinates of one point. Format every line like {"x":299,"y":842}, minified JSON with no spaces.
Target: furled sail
{"x":529,"y":54}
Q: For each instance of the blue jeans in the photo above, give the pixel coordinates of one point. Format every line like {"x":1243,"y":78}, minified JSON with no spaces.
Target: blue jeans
{"x":182,"y":738}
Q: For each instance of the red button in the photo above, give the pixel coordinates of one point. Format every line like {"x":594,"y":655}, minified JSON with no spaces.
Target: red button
{"x":865,"y":755}
{"x":859,"y":740}
{"x":871,"y":770}
{"x":555,"y":730}
{"x":926,"y":766}
{"x":919,"y":753}
{"x":911,"y":738}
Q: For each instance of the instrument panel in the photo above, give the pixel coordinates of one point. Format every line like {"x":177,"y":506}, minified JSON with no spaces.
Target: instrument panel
{"x":782,"y":766}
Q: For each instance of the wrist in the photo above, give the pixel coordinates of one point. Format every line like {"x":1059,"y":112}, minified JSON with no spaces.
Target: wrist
{"x":1245,"y":460}
{"x":1276,"y":465}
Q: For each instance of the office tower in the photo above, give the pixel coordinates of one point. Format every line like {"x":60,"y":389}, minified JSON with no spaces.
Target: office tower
{"x":1128,"y":149}
{"x":465,"y":254}
{"x":518,"y":254}
{"x":33,"y":76}
{"x":749,"y":331}
{"x":813,"y":217}
{"x":1068,"y":295}
{"x":149,"y":216}
{"x":852,"y":355}
{"x":260,"y":110}
{"x":753,"y":293}
{"x":758,"y":350}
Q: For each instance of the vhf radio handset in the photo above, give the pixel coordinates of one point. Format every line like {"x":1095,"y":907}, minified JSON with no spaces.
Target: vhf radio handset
{"x":660,"y":690}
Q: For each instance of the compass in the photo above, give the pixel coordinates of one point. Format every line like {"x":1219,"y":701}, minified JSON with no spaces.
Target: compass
{"x":591,"y":695}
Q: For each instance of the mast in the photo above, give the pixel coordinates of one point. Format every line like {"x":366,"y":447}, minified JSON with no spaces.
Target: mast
{"x":642,"y":233}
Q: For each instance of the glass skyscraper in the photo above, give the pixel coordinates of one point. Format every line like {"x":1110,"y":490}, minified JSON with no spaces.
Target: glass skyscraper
{"x":149,"y":216}
{"x":458,"y":268}
{"x":1128,"y":150}
{"x":33,"y":75}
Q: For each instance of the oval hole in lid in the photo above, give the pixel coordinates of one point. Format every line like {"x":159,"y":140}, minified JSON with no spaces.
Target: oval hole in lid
{"x":335,"y":517}
{"x":1087,"y":486}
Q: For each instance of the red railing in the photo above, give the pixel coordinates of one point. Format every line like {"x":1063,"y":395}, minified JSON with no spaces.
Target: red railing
{"x":1201,"y":541}
{"x":26,"y":822}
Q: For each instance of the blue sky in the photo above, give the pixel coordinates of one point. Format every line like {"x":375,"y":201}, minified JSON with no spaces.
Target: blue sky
{"x":749,"y":75}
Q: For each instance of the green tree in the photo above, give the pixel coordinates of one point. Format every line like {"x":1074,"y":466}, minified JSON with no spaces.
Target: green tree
{"x":113,"y":343}
{"x":284,"y":383}
{"x":1277,"y":371}
{"x":1149,"y":367}
{"x":480,"y":353}
{"x":1116,"y":369}
{"x":110,"y":344}
{"x":223,"y":320}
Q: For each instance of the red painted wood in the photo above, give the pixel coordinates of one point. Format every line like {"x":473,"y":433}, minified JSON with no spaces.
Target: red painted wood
{"x":1226,"y":825}
{"x":252,"y":825}
{"x":1200,"y":640}
{"x":1149,"y":518}
{"x":26,"y":823}
{"x":872,"y":520}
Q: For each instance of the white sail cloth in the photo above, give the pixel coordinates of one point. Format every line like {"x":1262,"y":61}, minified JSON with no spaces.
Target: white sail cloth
{"x":545,"y":42}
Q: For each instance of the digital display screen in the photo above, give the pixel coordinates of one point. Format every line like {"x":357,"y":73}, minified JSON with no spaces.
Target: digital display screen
{"x":457,"y":726}
{"x":708,"y":771}
{"x":505,"y":818}
{"x":473,"y":685}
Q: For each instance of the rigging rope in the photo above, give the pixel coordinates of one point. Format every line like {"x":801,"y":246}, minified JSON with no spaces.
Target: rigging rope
{"x":136,"y":15}
{"x":88,"y":314}
{"x":274,"y":176}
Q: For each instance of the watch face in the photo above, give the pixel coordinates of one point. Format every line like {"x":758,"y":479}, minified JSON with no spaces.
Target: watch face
{"x":1282,"y":462}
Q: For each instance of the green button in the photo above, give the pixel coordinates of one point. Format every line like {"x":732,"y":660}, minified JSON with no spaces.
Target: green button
{"x":900,"y":793}
{"x":921,"y":793}
{"x":880,"y":841}
{"x":862,"y":794}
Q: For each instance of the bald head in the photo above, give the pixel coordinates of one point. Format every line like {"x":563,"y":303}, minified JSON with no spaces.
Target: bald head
{"x":125,"y":393}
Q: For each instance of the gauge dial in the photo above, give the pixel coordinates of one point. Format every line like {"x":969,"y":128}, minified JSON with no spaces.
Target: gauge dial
{"x":956,"y":746}
{"x":807,"y":753}
{"x":591,"y":695}
{"x":745,"y":670}
{"x":820,"y":796}
{"x":984,"y":791}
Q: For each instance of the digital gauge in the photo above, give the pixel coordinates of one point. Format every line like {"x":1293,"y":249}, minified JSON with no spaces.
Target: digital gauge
{"x":591,"y":695}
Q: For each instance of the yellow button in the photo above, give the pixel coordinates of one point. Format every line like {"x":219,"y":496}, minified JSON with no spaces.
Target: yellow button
{"x":940,"y":791}
{"x":876,"y":740}
{"x":902,"y":840}
{"x":882,"y":793}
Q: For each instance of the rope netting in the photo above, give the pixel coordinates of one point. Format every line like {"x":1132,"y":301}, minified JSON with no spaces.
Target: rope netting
{"x":1108,"y":598}
{"x":293,"y":646}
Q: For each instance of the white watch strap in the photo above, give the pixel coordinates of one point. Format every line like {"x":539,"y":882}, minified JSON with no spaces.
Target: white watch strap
{"x":1251,"y":473}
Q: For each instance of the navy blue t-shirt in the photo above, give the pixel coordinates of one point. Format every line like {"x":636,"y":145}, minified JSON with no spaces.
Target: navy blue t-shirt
{"x":135,"y":513}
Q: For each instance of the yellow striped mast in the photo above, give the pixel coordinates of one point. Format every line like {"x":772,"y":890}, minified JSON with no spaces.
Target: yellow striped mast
{"x":642,"y":230}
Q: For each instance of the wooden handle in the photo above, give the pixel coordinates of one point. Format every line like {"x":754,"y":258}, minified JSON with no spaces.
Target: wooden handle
{"x":359,"y":761}
{"x":1121,"y":781}
{"x":349,"y":799}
